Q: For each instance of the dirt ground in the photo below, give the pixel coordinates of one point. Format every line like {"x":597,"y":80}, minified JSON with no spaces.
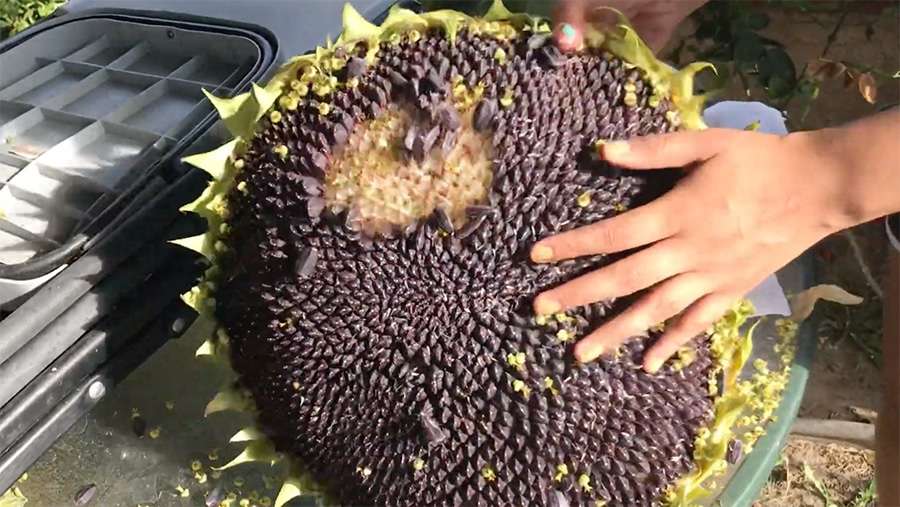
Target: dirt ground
{"x":844,"y":472}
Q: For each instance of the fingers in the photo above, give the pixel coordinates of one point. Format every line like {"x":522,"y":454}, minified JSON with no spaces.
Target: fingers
{"x":665,"y":300}
{"x":570,"y":17}
{"x":677,"y":149}
{"x":641,"y":226}
{"x":693,"y":322}
{"x":627,"y":276}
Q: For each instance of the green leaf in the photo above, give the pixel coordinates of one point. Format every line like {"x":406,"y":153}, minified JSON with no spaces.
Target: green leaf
{"x":706,"y":30}
{"x":748,"y":48}
{"x":818,"y":486}
{"x":723,"y":35}
{"x":776,"y":62}
{"x":757,"y":21}
{"x":866,"y":496}
{"x":770,"y":42}
{"x":675,"y":55}
{"x":777,"y":87}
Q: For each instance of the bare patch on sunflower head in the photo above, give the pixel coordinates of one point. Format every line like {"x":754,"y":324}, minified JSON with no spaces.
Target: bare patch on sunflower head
{"x":391,"y":173}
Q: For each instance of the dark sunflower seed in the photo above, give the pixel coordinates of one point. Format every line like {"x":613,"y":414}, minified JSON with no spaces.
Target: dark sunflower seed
{"x":734,"y":452}
{"x":306,"y":262}
{"x":138,"y":426}
{"x":551,"y":56}
{"x":484,"y":114}
{"x":356,"y":66}
{"x":443,"y":219}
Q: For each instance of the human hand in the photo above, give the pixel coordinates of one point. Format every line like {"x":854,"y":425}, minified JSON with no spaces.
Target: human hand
{"x":749,"y":204}
{"x":654,"y":20}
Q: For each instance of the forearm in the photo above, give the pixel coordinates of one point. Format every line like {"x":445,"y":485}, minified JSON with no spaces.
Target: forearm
{"x":866,"y":153}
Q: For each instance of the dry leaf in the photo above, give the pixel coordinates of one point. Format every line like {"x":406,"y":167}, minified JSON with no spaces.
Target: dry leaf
{"x":802,"y":304}
{"x":825,"y":69}
{"x":868,"y":88}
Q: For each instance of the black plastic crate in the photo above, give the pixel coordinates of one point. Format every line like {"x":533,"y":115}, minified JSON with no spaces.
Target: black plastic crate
{"x":96,"y":109}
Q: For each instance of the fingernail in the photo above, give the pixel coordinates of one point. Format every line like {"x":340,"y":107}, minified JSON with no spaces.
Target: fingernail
{"x":615,"y":149}
{"x":542,"y":253}
{"x":588,"y":353}
{"x":567,"y":33}
{"x":652,"y":365}
{"x":546,"y":306}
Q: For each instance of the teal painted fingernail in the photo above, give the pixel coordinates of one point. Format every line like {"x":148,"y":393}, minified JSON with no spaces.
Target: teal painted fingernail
{"x":568,"y":31}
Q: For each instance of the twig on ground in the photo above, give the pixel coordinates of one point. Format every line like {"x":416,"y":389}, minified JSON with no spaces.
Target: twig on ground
{"x":866,"y":414}
{"x":863,"y":265}
{"x":832,"y":37}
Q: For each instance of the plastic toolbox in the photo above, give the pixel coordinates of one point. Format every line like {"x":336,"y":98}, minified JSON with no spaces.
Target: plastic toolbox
{"x":94,"y":111}
{"x":97,"y":107}
{"x":87,"y":108}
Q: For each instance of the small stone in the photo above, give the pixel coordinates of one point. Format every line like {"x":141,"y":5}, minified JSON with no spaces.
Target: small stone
{"x":85,"y":494}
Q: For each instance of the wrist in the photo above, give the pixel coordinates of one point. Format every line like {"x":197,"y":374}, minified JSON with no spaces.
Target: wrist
{"x":828,"y":178}
{"x":868,"y":152}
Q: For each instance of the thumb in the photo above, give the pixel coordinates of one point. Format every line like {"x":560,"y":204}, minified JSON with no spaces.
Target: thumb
{"x":571,"y":20}
{"x":676,"y":149}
